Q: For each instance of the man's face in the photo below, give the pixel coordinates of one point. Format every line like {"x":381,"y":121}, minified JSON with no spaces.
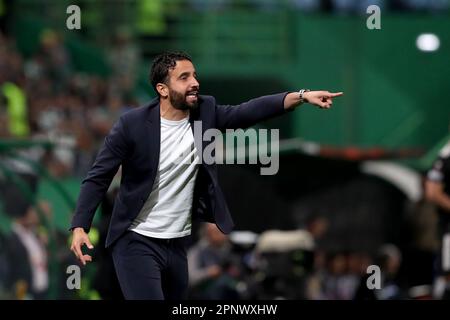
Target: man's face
{"x":183,"y":86}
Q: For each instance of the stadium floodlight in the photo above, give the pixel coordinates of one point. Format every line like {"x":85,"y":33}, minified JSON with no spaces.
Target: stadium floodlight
{"x":428,"y":42}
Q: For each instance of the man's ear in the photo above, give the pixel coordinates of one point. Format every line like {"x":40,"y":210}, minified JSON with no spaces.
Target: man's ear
{"x":163,"y":90}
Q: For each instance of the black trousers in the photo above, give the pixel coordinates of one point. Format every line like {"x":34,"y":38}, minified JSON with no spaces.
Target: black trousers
{"x":151,"y":268}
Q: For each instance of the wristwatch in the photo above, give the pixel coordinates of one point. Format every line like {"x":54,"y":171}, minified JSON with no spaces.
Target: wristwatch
{"x":300,"y":95}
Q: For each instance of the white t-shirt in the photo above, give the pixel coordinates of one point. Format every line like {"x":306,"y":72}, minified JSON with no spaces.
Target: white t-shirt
{"x":167,"y":212}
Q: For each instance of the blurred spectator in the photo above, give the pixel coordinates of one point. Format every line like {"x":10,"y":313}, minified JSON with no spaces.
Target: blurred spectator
{"x":437,"y":188}
{"x":5,"y":15}
{"x":421,"y":246}
{"x":4,"y":132}
{"x":213,"y":267}
{"x":425,"y":5}
{"x":3,"y":267}
{"x":16,"y":110}
{"x":313,"y":287}
{"x":54,"y":59}
{"x":26,"y":251}
{"x":337,"y":283}
{"x":264,"y":5}
{"x":389,"y":260}
{"x":358,"y":262}
{"x":13,"y":104}
{"x":151,"y":18}
{"x":205,"y":5}
{"x":424,"y":223}
{"x":3,"y":11}
{"x":306,"y":5}
{"x":317,"y":226}
{"x":124,"y":62}
{"x":356,"y":6}
{"x":340,"y":276}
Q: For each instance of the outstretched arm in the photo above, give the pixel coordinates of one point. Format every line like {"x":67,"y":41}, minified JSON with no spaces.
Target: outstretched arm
{"x":259,"y":109}
{"x":94,"y":187}
{"x":322,"y":99}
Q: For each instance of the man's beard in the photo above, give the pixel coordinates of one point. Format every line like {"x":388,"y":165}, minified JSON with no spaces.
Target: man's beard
{"x":178,"y":101}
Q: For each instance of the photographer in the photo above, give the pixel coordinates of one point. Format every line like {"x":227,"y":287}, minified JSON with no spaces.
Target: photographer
{"x":213,"y":267}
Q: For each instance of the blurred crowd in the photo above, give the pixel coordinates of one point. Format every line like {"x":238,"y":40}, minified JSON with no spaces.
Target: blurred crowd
{"x":291,"y":265}
{"x":334,"y":6}
{"x":43,"y":97}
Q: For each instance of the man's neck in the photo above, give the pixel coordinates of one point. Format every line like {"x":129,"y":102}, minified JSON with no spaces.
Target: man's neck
{"x":168,"y":112}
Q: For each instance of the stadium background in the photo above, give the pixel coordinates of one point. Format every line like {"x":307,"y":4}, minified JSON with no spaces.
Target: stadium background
{"x":359,"y":166}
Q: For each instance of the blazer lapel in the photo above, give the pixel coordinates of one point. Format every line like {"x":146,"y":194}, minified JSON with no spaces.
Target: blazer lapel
{"x":153,"y":135}
{"x":195,"y":115}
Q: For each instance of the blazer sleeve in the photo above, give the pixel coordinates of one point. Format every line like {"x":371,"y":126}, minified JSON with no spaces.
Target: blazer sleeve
{"x":93,"y":188}
{"x":251,"y":112}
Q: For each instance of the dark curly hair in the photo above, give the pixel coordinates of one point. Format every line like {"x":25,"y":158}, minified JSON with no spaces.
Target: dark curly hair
{"x":164,"y":62}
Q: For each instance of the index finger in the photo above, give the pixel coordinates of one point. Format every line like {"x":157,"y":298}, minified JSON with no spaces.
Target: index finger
{"x":336,"y":94}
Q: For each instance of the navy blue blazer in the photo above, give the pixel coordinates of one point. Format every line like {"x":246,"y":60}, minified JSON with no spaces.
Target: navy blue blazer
{"x":134,"y":143}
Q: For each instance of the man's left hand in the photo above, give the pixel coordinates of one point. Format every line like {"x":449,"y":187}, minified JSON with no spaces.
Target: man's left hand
{"x":322,"y":99}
